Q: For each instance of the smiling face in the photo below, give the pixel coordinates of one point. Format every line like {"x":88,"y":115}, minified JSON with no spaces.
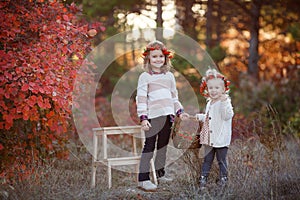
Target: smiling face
{"x":157,"y":60}
{"x":215,"y":88}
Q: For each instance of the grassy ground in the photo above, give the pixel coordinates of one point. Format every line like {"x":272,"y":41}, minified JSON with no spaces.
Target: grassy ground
{"x":255,"y":172}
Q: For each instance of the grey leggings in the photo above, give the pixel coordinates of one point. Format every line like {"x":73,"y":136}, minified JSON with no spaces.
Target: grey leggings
{"x":158,"y":136}
{"x":210,"y":153}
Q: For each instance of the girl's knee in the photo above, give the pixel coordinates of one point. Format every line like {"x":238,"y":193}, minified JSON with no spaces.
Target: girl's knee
{"x":208,"y":160}
{"x":148,"y":149}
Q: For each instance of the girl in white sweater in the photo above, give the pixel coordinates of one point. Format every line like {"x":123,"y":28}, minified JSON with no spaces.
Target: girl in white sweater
{"x":157,"y":105}
{"x":217,"y":124}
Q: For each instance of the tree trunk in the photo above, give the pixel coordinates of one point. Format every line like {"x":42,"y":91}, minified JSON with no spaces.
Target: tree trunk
{"x":253,"y":69}
{"x":189,"y":25}
{"x":209,"y":20}
{"x":218,"y":24}
{"x":159,"y":21}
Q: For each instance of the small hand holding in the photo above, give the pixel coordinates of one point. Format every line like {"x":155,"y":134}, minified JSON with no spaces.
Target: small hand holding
{"x":223,"y":97}
{"x":146,"y":125}
{"x":198,"y":117}
{"x":184,"y":116}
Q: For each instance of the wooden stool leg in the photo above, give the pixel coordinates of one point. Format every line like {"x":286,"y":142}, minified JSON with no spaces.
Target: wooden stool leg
{"x":94,"y":170}
{"x":137,"y":172}
{"x":109,"y":175}
{"x":94,"y":160}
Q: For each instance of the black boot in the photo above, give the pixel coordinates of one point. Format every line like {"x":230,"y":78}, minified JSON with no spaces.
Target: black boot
{"x":222,"y":181}
{"x":203,"y":182}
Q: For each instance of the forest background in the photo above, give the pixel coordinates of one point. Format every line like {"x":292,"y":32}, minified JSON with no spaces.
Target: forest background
{"x":256,"y":44}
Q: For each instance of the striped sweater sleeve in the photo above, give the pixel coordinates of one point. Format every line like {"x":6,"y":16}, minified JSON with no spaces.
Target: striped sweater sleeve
{"x":141,"y":97}
{"x":177,"y":105}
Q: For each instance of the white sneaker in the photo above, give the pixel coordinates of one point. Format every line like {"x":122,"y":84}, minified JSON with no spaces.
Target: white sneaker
{"x":164,"y":179}
{"x":147,"y":185}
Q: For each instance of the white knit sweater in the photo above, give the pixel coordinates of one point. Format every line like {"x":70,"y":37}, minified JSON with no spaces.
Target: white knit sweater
{"x":220,"y":122}
{"x":157,"y":95}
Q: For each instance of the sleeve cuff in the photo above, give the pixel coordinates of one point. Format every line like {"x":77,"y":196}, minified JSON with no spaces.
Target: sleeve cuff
{"x":143,"y":117}
{"x":179,"y":112}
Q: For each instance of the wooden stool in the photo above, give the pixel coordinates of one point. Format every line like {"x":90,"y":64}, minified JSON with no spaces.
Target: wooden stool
{"x":104,"y":132}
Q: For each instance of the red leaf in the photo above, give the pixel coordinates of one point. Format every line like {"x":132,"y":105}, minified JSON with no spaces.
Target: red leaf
{"x":66,"y":18}
{"x":8,"y":125}
{"x":39,"y":49}
{"x":19,"y":109}
{"x":32,"y":84}
{"x":26,"y":108}
{"x":25,"y":116}
{"x":25,"y":87}
{"x":3,"y":105}
{"x":7,"y":95}
{"x":66,"y":85}
{"x":49,"y":80}
{"x":44,"y":54}
{"x":50,"y":114}
{"x":21,"y":96}
{"x":102,"y":28}
{"x":32,"y":101}
{"x":8,"y":75}
{"x":41,"y":90}
{"x":8,"y":118}
{"x":23,"y":167}
{"x":34,"y":114}
{"x":34,"y":90}
{"x":64,"y":50}
{"x":47,"y":90}
{"x":46,"y":103}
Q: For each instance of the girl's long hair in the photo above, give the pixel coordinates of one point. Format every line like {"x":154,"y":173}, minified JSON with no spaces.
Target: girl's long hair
{"x":156,"y":45}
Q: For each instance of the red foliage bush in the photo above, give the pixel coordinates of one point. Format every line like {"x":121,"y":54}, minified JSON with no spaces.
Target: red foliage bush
{"x":41,"y":47}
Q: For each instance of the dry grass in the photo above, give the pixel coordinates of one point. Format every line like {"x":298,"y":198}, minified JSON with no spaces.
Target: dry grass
{"x":255,"y":172}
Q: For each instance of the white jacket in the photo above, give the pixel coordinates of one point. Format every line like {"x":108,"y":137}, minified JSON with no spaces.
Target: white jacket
{"x":220,"y":122}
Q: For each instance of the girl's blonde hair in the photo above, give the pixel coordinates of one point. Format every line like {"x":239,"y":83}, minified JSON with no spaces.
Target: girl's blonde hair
{"x":157,"y":45}
{"x":211,"y":74}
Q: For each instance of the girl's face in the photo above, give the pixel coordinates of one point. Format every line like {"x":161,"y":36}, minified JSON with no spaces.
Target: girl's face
{"x":157,"y":60}
{"x":215,"y":88}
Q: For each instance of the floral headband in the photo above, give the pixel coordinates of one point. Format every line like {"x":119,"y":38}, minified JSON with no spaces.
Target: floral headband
{"x":203,"y":85}
{"x":157,"y":47}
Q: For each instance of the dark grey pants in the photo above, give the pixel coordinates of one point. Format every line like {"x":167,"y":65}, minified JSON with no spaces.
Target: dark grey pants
{"x":210,"y":153}
{"x":158,"y":135}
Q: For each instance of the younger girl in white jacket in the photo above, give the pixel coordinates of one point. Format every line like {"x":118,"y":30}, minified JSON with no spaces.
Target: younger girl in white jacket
{"x":217,"y":124}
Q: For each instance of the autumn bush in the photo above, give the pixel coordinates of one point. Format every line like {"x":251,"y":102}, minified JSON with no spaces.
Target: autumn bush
{"x":42,"y":44}
{"x":252,"y":97}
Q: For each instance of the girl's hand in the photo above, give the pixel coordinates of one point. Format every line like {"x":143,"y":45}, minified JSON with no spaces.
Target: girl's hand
{"x":184,"y":116}
{"x":223,"y":97}
{"x":146,"y":125}
{"x":200,"y":117}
